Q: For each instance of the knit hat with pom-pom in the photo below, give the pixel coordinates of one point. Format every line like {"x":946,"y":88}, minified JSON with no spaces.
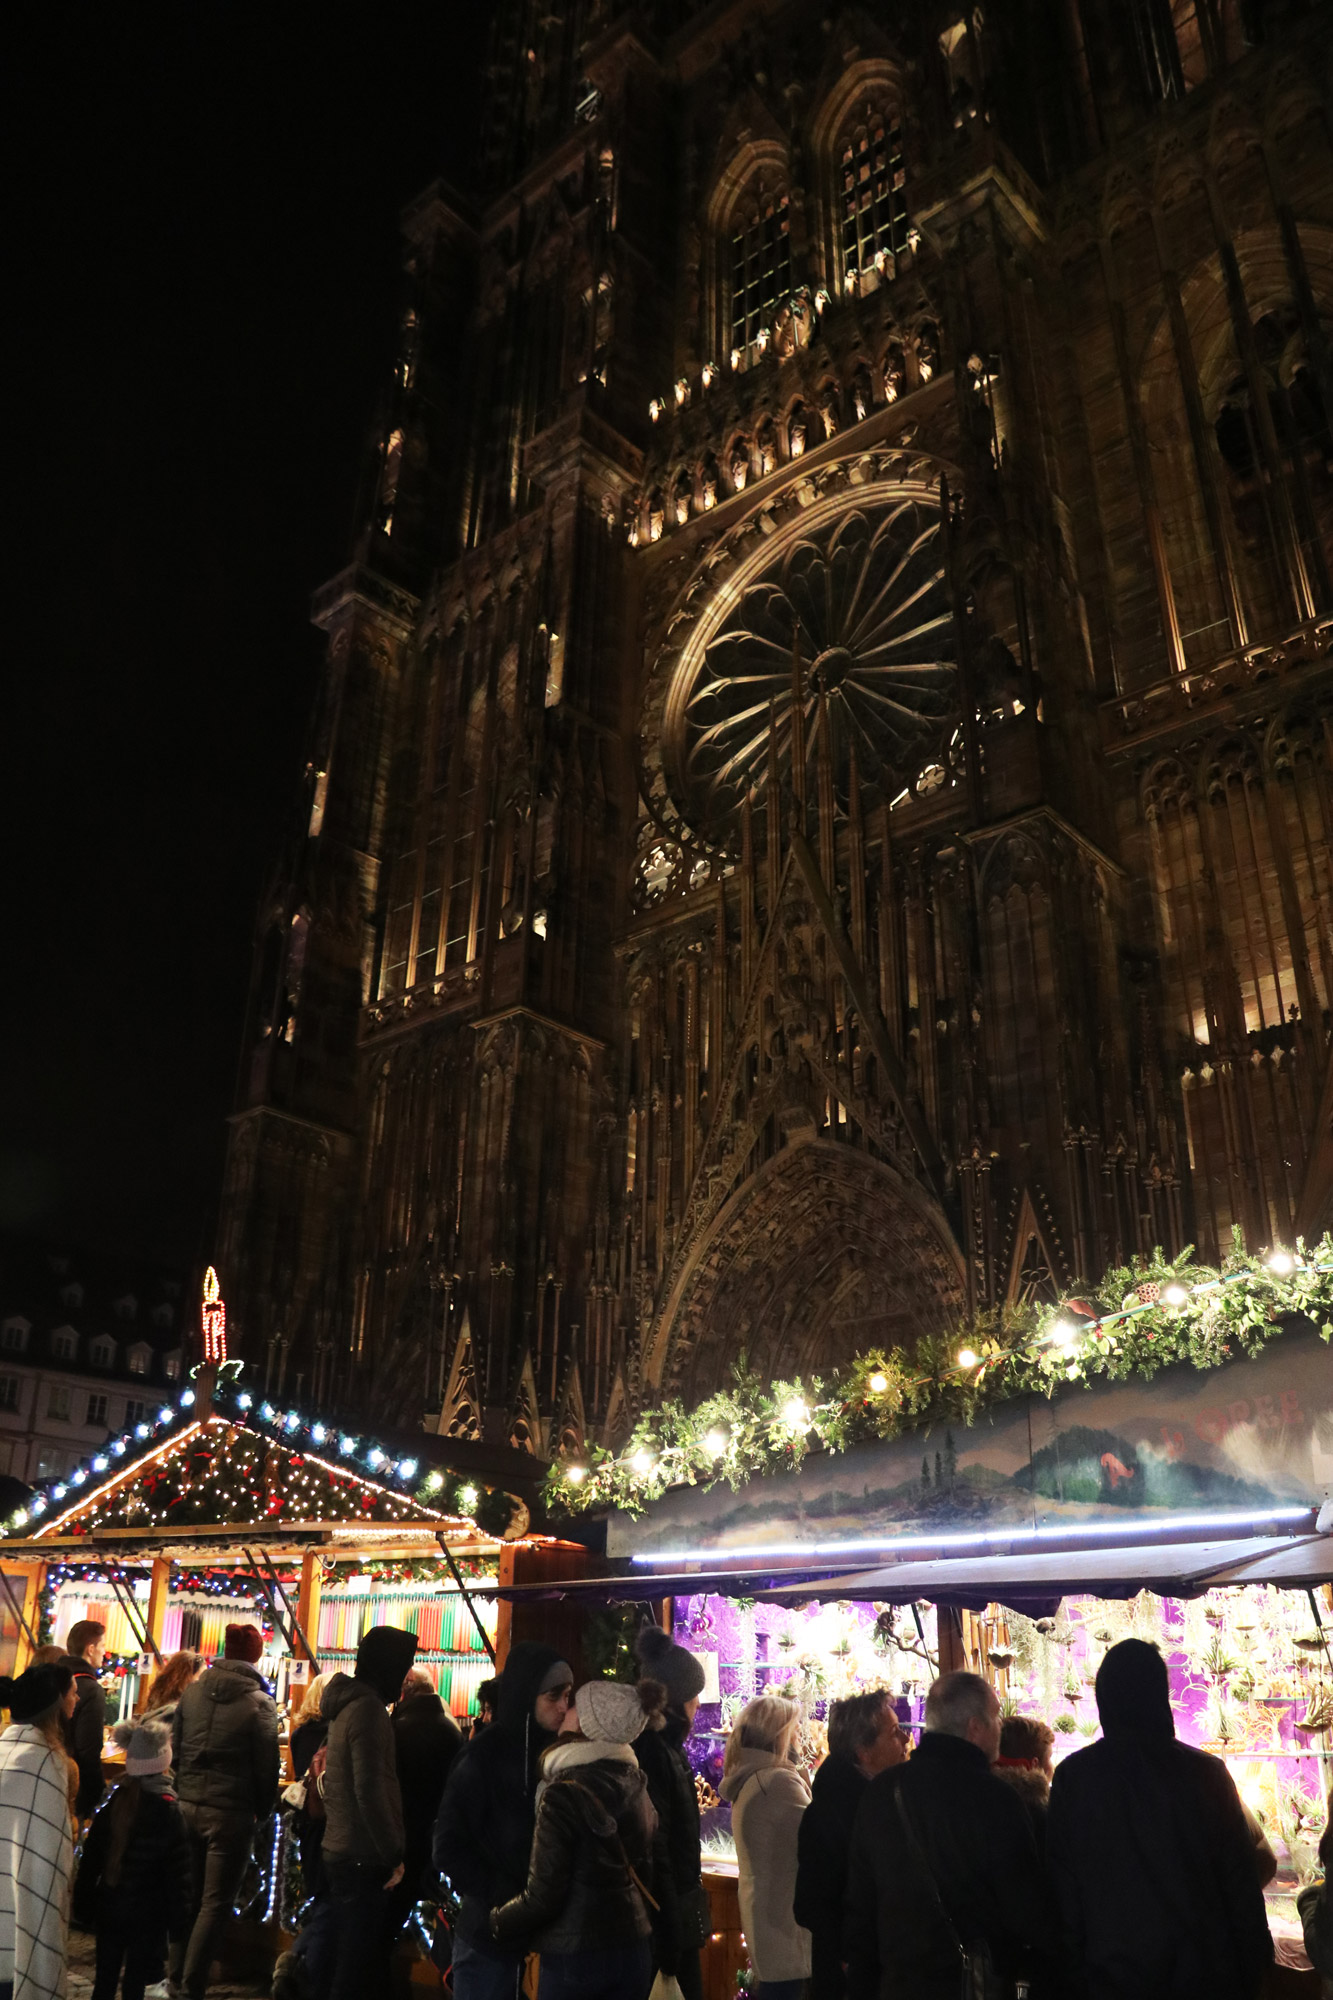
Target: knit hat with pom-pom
{"x":147,"y":1747}
{"x":680,"y":1673}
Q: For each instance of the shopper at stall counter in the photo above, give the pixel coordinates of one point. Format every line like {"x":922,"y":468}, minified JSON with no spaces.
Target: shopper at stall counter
{"x":36,"y":1846}
{"x":363,"y":1811}
{"x":660,"y":1749}
{"x":85,"y":1730}
{"x":588,"y":1903}
{"x":1027,"y":1764}
{"x":865,"y":1737}
{"x":955,"y":1862}
{"x":225,"y":1749}
{"x":133,"y":1884}
{"x":426,"y":1740}
{"x":769,"y":1794}
{"x":1152,"y":1861}
{"x":483,"y":1836}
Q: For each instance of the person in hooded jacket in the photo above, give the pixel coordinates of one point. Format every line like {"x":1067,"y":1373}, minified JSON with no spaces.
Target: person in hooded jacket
{"x":865,"y":1737}
{"x":225,"y":1749}
{"x":1151,"y":1858}
{"x":684,"y":1925}
{"x":483,"y":1836}
{"x":587,"y":1903}
{"x":769,"y":1795}
{"x":363,"y":1809}
{"x":133,"y":1884}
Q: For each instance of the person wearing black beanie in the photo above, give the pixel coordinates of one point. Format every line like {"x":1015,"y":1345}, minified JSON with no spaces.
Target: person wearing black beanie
{"x":363,"y":1825}
{"x":685,"y":1923}
{"x":1150,"y":1855}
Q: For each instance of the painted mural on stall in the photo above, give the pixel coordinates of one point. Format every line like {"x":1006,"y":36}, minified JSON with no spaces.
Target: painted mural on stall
{"x":1248,"y":1435}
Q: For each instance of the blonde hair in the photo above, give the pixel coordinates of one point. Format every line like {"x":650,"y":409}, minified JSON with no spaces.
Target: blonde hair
{"x":310,"y":1710}
{"x":769,"y":1722}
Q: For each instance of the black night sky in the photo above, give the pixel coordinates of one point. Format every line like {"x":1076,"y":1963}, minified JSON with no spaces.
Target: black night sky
{"x":206,"y":258}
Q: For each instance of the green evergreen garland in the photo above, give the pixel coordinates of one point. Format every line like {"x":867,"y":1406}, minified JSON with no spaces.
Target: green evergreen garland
{"x":1139,"y":1319}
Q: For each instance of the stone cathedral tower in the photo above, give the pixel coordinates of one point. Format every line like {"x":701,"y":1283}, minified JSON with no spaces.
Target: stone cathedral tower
{"x":820,"y":808}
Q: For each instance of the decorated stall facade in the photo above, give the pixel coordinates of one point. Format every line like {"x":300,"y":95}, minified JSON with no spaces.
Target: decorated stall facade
{"x":1158,"y":1463}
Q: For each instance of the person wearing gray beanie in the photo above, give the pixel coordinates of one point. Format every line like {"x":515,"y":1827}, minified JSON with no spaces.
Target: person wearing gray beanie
{"x":590,"y":1898}
{"x":687,"y":1923}
{"x":133,"y":1884}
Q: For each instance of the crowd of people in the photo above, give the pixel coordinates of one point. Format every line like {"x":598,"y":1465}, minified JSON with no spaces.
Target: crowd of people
{"x":568,"y":1825}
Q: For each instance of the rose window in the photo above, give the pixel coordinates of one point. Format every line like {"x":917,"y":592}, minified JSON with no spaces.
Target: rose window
{"x":859,"y":615}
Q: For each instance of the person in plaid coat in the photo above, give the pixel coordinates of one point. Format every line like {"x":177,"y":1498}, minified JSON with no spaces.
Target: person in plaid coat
{"x":36,"y":1850}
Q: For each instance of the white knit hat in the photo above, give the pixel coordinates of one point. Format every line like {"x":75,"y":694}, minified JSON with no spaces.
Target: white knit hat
{"x":147,"y":1747}
{"x":609,"y":1712}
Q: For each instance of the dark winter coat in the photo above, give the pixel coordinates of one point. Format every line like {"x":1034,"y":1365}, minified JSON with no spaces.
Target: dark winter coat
{"x":363,"y":1808}
{"x":307,"y":1738}
{"x":1154,"y":1870}
{"x":483,"y":1836}
{"x":85,"y":1733}
{"x":821,"y":1868}
{"x":670,"y":1782}
{"x":594,"y":1824}
{"x":426,"y":1739}
{"x":152,"y":1890}
{"x":225,"y":1741}
{"x":977,"y":1840}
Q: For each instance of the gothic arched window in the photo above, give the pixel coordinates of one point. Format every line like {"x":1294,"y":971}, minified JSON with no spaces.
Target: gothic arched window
{"x":871,"y":186}
{"x":761,"y":267}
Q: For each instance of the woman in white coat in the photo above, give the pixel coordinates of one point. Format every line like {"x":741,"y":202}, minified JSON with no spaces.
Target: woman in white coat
{"x":36,"y":1851}
{"x":768,"y":1795}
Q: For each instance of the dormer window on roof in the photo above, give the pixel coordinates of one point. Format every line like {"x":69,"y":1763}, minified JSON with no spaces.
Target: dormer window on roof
{"x":102,"y":1353}
{"x":171,"y":1365}
{"x":126,"y":1307}
{"x":71,"y":1295}
{"x":64,"y":1343}
{"x":139,"y":1358}
{"x":14,"y":1334}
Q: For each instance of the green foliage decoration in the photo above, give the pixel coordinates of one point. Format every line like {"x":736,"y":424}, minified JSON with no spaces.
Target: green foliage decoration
{"x":1141,"y":1318}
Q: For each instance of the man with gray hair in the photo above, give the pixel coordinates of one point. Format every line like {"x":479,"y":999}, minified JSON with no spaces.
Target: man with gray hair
{"x":943,"y":1863}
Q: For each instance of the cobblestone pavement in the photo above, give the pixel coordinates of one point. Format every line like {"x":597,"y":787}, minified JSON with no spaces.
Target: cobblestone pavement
{"x":82,"y":1950}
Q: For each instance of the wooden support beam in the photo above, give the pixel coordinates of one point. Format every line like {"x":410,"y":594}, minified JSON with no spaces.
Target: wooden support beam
{"x":307,"y":1607}
{"x":22,"y":1598}
{"x":159,"y":1591}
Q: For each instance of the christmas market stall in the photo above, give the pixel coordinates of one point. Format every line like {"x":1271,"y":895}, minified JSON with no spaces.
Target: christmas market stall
{"x":1156,"y":1463}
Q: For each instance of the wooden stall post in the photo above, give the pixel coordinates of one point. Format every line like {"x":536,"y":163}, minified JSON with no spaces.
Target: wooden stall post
{"x":952,"y":1646}
{"x":23,"y":1593}
{"x":307,"y":1618}
{"x":504,"y":1610}
{"x":155,"y":1624}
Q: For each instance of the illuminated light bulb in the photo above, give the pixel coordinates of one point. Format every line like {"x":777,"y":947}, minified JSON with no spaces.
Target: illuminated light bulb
{"x":101,"y":1462}
{"x":20,"y":1519}
{"x":78,"y":1478}
{"x":716,"y":1442}
{"x":966,"y":1358}
{"x":1176,"y":1295}
{"x":38,"y":1507}
{"x":318,"y":1433}
{"x":267,"y":1412}
{"x":165,"y":1416}
{"x":347,"y":1446}
{"x":187,"y":1398}
{"x":435,"y":1482}
{"x":118,"y":1448}
{"x":878,"y":1383}
{"x":796,"y":1414}
{"x":142,"y":1431}
{"x":244,"y":1402}
{"x":469,"y":1497}
{"x":576,"y":1474}
{"x":642,"y":1461}
{"x":1281,"y":1262}
{"x":59,"y":1492}
{"x":375,"y":1457}
{"x":1061,"y":1335}
{"x":407,"y":1469}
{"x":291,"y":1422}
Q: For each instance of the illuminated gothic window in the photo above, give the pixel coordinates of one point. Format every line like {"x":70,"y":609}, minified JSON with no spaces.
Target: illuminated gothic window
{"x":393,"y":460}
{"x":761,"y":277}
{"x":873,"y":194}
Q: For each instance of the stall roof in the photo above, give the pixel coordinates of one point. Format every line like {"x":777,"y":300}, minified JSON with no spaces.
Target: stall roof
{"x":1171,"y":1569}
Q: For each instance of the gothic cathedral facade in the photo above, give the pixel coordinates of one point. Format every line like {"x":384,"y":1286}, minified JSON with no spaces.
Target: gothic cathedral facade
{"x":820,"y":817}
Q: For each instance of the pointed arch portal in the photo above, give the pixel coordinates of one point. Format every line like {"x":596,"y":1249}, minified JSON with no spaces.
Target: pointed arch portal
{"x":823,"y":1253}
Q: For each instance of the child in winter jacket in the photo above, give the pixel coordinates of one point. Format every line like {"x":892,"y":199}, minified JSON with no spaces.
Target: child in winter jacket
{"x":133,"y":1885}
